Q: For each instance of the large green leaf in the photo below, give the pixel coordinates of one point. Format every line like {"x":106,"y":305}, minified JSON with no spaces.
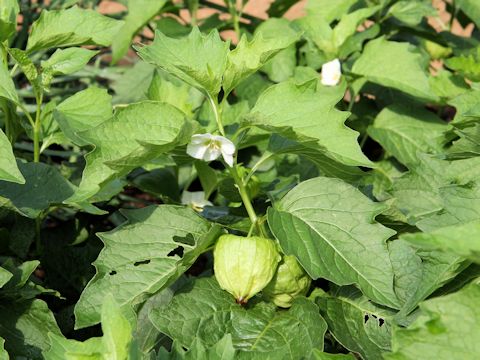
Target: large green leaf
{"x":249,"y":56}
{"x":467,"y":108}
{"x":357,"y":323}
{"x":438,"y":193}
{"x":462,"y":239}
{"x":8,"y":166}
{"x":403,"y":131}
{"x":394,"y":64}
{"x":74,"y":26}
{"x":158,"y":234}
{"x":139,"y":13}
{"x":329,"y":10}
{"x":135,"y":135}
{"x":9,"y":10}
{"x":44,"y":186}
{"x":307,"y":115}
{"x":7,"y":87}
{"x":204,"y":311}
{"x":83,"y":111}
{"x":329,"y":226}
{"x":200,"y":60}
{"x":114,"y":344}
{"x":25,"y":326}
{"x":446,"y":329}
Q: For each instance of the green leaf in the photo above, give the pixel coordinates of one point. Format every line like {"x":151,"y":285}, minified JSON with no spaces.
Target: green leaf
{"x":348,"y":24}
{"x":408,"y":74}
{"x":447,"y":85}
{"x":329,"y":10}
{"x":68,"y":61}
{"x":71,"y":27}
{"x":199,"y":60}
{"x":135,"y":135}
{"x":8,"y":166}
{"x":24,"y":326}
{"x":281,"y":66}
{"x":357,"y":323}
{"x":308,"y":115}
{"x":438,"y":193}
{"x":466,"y":64}
{"x":157,"y":233}
{"x":114,"y":344}
{"x":471,"y":8}
{"x":318,"y":355}
{"x":249,"y":56}
{"x":9,"y":10}
{"x":139,"y":14}
{"x":3,"y":352}
{"x":329,"y":226}
{"x":222,"y":350}
{"x":133,"y":85}
{"x":83,"y":111}
{"x":28,"y":68}
{"x":7,"y":87}
{"x":467,"y":108}
{"x":447,"y":327}
{"x":411,"y":12}
{"x":203,"y":311}
{"x":44,"y":186}
{"x":462,"y":239}
{"x":5,"y":276}
{"x":403,"y":131}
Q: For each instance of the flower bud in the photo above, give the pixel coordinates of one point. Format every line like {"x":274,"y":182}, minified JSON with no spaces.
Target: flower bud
{"x":289,"y":281}
{"x":244,"y":265}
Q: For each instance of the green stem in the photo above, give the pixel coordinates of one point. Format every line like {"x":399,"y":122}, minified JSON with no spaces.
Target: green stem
{"x":36,"y":130}
{"x":234,"y":172}
{"x":267,"y":155}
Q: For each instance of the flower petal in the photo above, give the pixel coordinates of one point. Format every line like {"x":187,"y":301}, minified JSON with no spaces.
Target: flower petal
{"x":331,"y":73}
{"x":197,"y":151}
{"x":212,"y":153}
{"x":228,"y":159}
{"x":227,"y":146}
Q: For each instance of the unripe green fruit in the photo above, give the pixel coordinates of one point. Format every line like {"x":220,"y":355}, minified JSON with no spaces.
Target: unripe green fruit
{"x":289,"y":281}
{"x":244,"y":265}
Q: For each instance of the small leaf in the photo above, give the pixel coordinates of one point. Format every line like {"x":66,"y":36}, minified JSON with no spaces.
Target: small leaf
{"x":329,"y":226}
{"x":7,"y":87}
{"x":168,"y":240}
{"x":411,"y":12}
{"x":71,"y":27}
{"x":199,"y":60}
{"x":9,"y":10}
{"x":68,"y":61}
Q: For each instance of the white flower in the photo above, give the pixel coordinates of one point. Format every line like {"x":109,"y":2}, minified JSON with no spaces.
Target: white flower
{"x":209,"y":147}
{"x":195,"y":199}
{"x":331,"y":73}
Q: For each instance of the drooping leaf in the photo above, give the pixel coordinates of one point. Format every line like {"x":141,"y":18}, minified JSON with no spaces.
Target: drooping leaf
{"x":307,"y":115}
{"x":68,"y":61}
{"x":462,"y":239}
{"x":404,"y":131}
{"x":407,"y":74}
{"x":139,"y":13}
{"x":7,"y":87}
{"x":8,"y":167}
{"x":25,"y":326}
{"x":329,"y":226}
{"x":134,"y":135}
{"x":157,"y":233}
{"x":83,"y":111}
{"x":446,"y":329}
{"x":205,"y":312}
{"x":357,"y":323}
{"x":71,"y":27}
{"x":44,"y":186}
{"x":199,"y":60}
